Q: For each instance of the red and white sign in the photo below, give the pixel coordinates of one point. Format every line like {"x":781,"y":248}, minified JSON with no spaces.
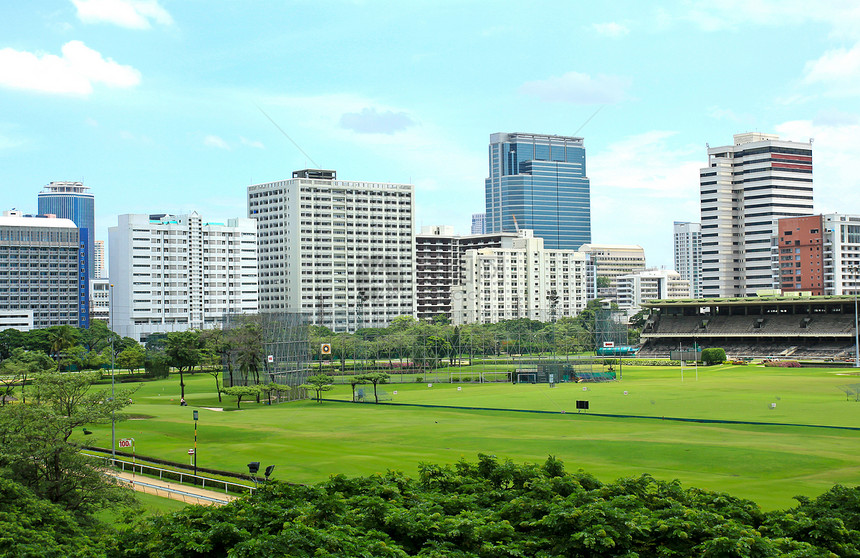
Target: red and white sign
{"x":271,"y":359}
{"x":608,"y":344}
{"x":191,"y":452}
{"x":126,"y":443}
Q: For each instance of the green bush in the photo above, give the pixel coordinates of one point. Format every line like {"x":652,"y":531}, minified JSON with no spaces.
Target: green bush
{"x":713,"y":355}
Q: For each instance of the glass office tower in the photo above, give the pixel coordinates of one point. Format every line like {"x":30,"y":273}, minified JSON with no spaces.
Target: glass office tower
{"x":538,"y":182}
{"x":71,"y":200}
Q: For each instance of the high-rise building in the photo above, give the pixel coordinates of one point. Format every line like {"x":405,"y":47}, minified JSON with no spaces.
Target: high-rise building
{"x":100,"y":300}
{"x":439,"y":257}
{"x":651,"y":284}
{"x":479,"y":223}
{"x":179,"y":272}
{"x":99,"y":263}
{"x":524,"y":280}
{"x":818,"y":254}
{"x":72,"y":200}
{"x":688,"y":254}
{"x":538,"y":182}
{"x":606,"y":262}
{"x":342,"y":251}
{"x":40,"y":275}
{"x":744,"y":189}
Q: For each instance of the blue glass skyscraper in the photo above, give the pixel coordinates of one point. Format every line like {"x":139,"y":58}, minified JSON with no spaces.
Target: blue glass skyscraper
{"x":71,"y":200}
{"x":538,"y":182}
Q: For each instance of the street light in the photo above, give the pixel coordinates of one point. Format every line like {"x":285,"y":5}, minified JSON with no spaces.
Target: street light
{"x":112,"y":363}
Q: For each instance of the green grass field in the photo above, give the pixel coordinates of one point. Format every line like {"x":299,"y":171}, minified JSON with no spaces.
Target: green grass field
{"x":308,"y":441}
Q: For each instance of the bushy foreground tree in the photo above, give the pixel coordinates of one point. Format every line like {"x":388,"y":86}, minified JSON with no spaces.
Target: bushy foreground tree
{"x":492,"y":509}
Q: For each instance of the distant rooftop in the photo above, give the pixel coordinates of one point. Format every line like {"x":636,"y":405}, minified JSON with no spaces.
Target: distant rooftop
{"x":315,"y":174}
{"x":65,"y":188}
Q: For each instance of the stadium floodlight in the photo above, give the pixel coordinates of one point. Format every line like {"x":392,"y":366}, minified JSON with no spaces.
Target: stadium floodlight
{"x":253,"y":467}
{"x":269,"y":470}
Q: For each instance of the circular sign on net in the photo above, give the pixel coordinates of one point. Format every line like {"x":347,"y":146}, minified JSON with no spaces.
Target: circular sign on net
{"x":325,"y":348}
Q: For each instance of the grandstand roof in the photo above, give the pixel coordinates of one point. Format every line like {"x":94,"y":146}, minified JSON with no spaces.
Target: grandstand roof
{"x":747,"y":301}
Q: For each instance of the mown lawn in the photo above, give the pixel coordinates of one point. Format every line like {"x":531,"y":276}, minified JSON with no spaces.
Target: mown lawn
{"x":308,"y":441}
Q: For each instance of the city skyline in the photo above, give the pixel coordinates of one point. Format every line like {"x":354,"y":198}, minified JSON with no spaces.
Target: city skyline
{"x":169,"y":107}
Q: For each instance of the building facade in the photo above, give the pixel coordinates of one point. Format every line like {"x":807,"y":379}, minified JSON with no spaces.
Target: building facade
{"x":40,"y":272}
{"x":651,"y":284}
{"x":439,"y":257}
{"x":524,"y":280}
{"x":539,"y":182}
{"x":341,"y":250}
{"x":99,"y":269}
{"x":818,"y":254}
{"x":100,"y":300}
{"x":72,"y":200}
{"x":687,"y":244}
{"x":179,"y":272}
{"x":479,"y":223}
{"x":744,"y":190}
{"x":606,"y":262}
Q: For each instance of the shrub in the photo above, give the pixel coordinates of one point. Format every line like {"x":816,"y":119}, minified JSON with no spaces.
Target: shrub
{"x":782,"y":364}
{"x":419,"y":379}
{"x":713,"y":356}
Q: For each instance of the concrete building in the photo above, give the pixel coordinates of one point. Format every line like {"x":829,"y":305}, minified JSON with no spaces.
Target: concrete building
{"x":99,"y":270}
{"x":651,"y":284}
{"x":40,"y":272}
{"x":524,"y":280}
{"x":687,"y":244}
{"x":479,"y":223}
{"x":341,"y":250}
{"x":744,"y":189}
{"x":100,"y":300}
{"x":72,"y":200}
{"x":818,"y":254}
{"x":538,"y":182}
{"x":179,"y":272}
{"x":439,"y":257}
{"x":606,"y":262}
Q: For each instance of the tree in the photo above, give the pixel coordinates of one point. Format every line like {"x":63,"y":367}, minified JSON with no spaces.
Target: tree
{"x":61,"y":338}
{"x":21,"y":367}
{"x":36,"y":446}
{"x":318,"y":383}
{"x":375,"y":378}
{"x":271,"y":388}
{"x":241,"y":391}
{"x":183,"y":349}
{"x":131,"y":359}
{"x":713,"y":356}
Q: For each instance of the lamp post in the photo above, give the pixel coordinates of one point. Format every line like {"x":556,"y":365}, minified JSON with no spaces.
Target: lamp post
{"x":112,"y":374}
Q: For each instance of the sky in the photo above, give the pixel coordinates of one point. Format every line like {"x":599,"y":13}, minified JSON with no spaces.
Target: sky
{"x":178,"y":105}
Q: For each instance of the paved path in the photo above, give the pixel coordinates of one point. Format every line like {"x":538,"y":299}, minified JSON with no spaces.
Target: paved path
{"x":173,"y":490}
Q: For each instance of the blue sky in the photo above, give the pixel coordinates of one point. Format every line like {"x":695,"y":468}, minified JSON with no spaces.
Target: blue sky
{"x":157,"y":105}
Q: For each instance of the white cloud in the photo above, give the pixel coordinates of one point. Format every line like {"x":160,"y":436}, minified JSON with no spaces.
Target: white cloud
{"x":577,"y":88}
{"x":75,"y":72}
{"x":251,"y":143}
{"x":133,"y":14}
{"x":835,"y":67}
{"x":639,"y":186}
{"x":611,"y":29}
{"x":373,"y":121}
{"x":842,"y":16}
{"x":9,"y":143}
{"x":215,"y":141}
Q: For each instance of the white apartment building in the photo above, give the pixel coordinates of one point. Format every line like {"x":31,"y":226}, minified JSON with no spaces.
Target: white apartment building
{"x":179,"y":272}
{"x":610,"y":261}
{"x":744,"y":190}
{"x":687,"y":244}
{"x":524,"y":280}
{"x":841,"y":254}
{"x":99,"y":263}
{"x":651,"y":284}
{"x":341,"y":250}
{"x":100,"y":300}
{"x":39,"y":272}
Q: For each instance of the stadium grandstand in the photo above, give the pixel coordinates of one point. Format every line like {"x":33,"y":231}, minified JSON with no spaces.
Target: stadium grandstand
{"x":782,"y":327}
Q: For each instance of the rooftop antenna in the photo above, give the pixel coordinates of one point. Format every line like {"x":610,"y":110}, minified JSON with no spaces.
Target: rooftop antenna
{"x":287,"y":136}
{"x":589,"y":119}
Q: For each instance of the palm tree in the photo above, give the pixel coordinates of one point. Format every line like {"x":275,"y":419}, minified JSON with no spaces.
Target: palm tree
{"x":61,"y":338}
